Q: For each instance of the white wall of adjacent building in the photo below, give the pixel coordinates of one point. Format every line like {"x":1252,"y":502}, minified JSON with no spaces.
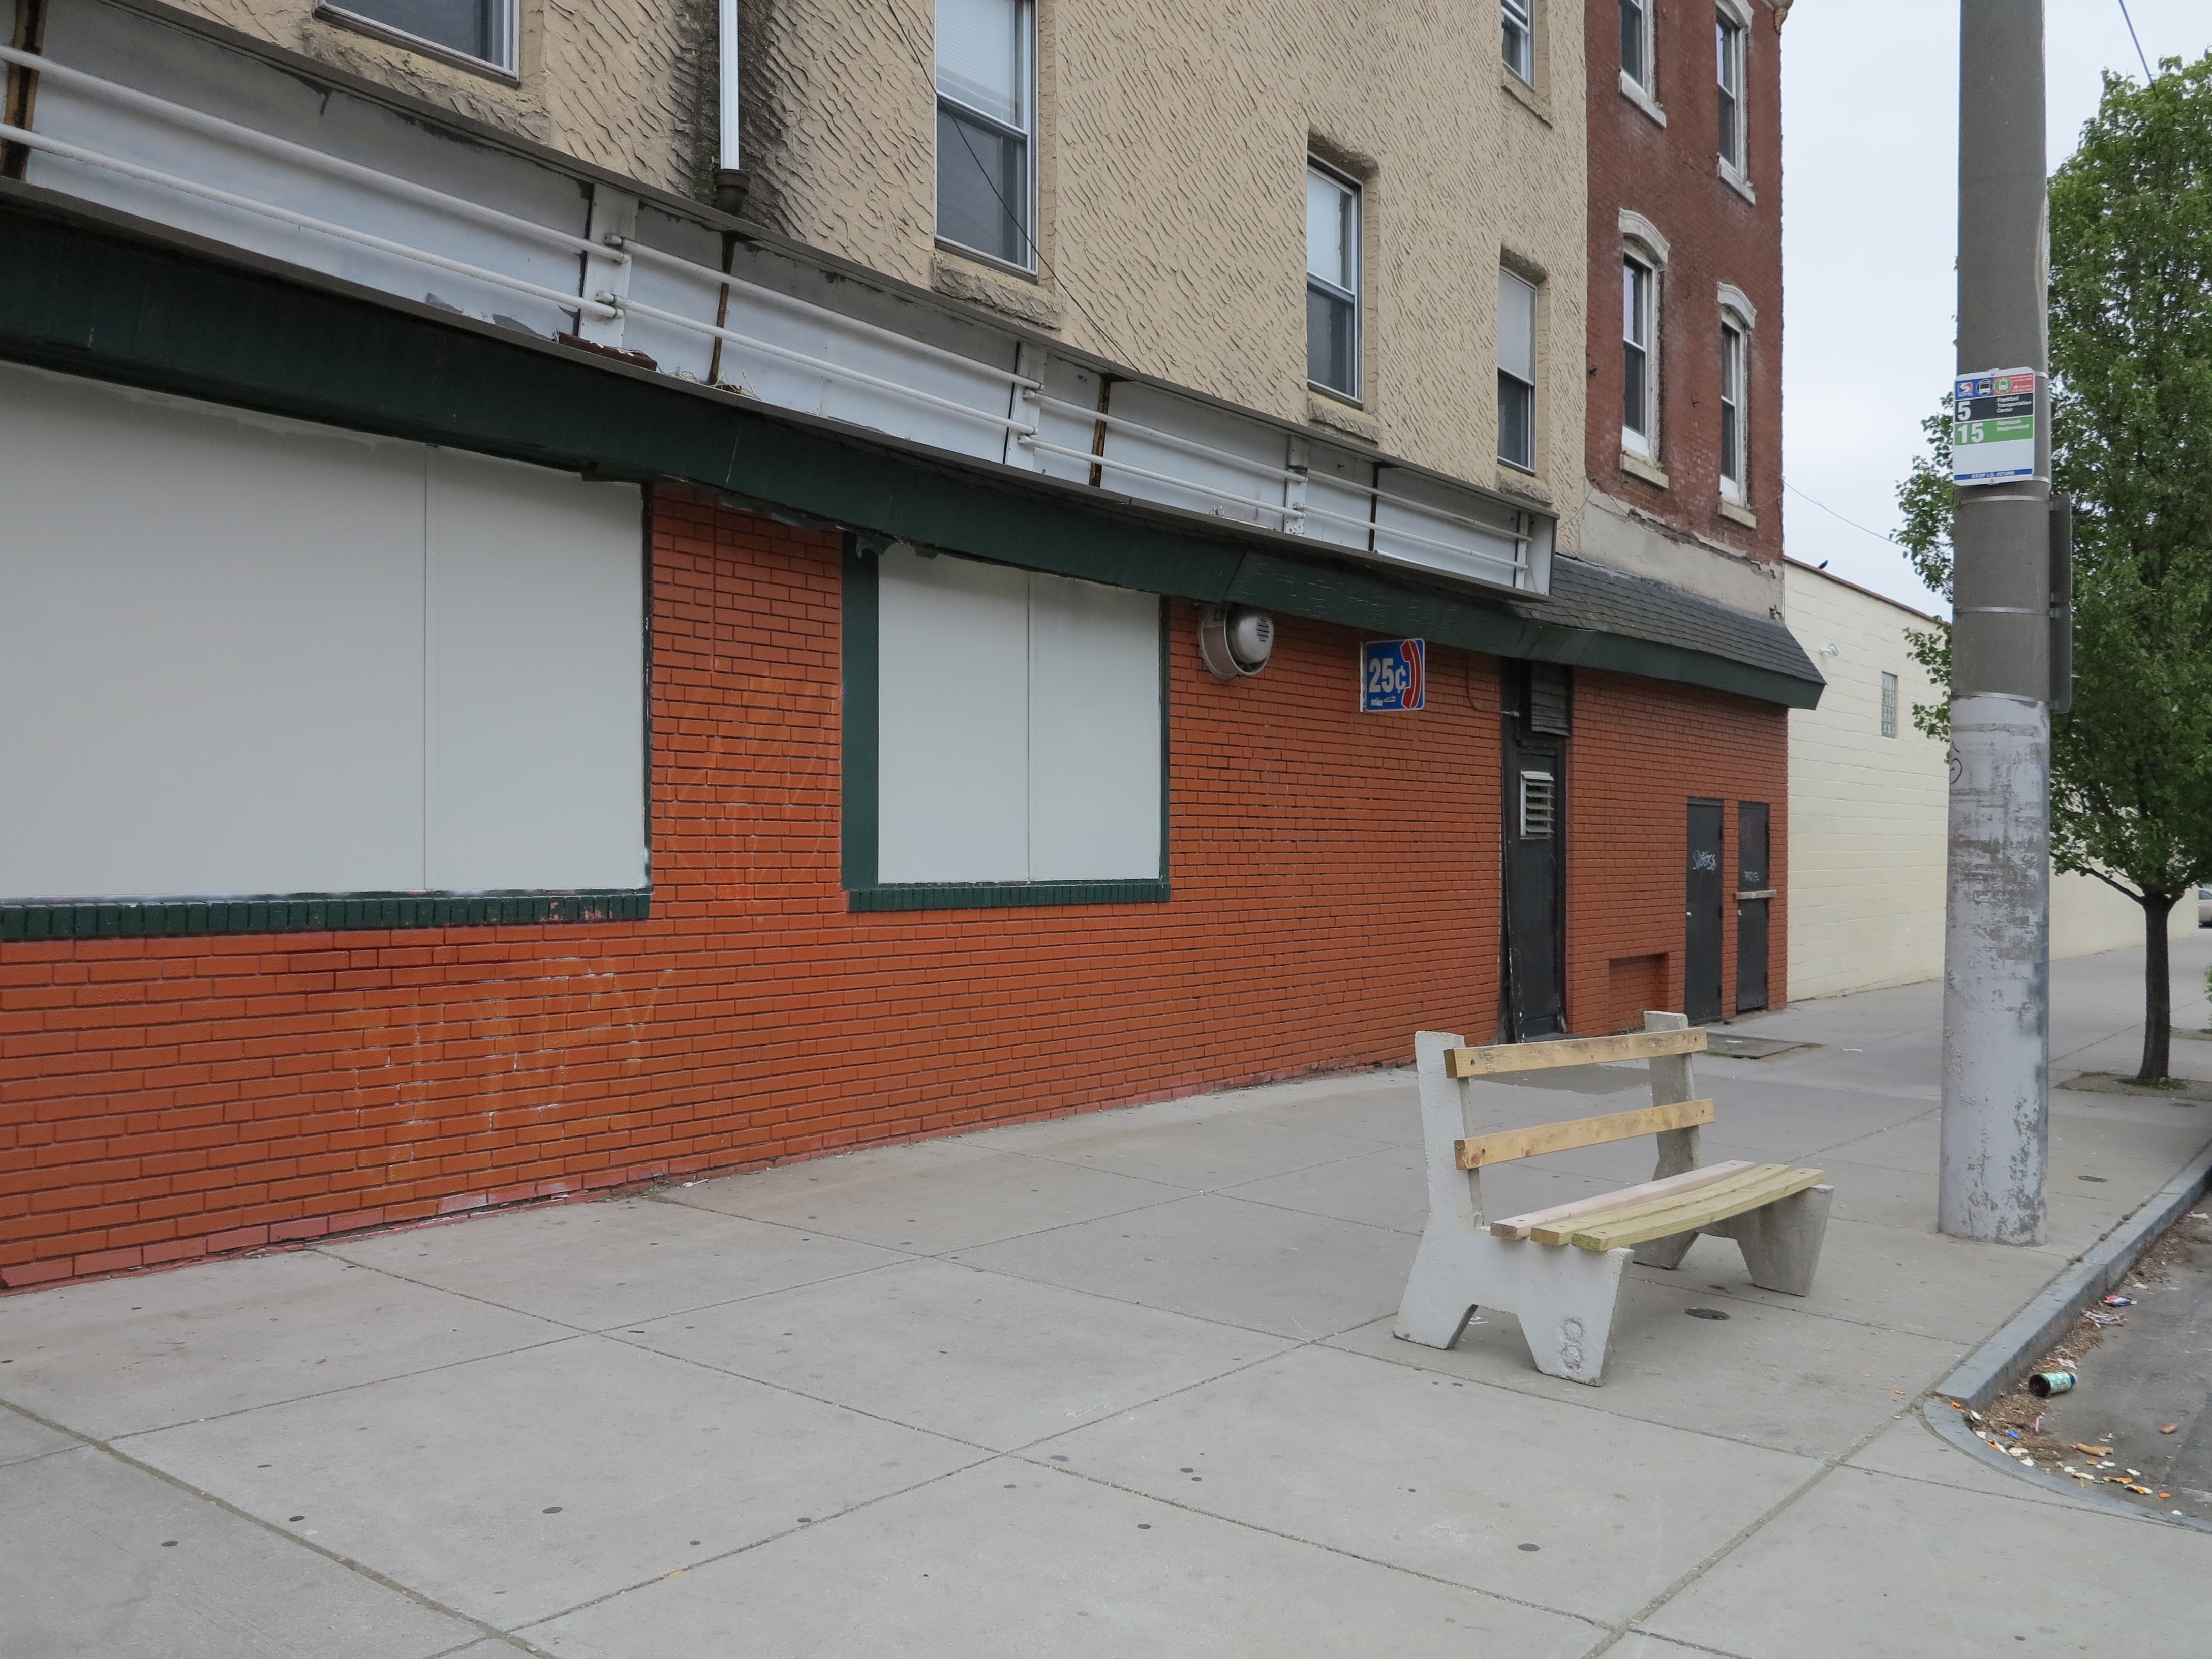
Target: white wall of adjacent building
{"x":1866,"y":811}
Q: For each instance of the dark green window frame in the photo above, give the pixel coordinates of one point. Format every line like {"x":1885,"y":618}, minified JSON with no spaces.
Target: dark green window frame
{"x":862,"y":710}
{"x":312,"y":913}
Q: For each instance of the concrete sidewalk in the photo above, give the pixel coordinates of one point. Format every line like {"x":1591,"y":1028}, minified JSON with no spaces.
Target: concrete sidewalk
{"x":1115,"y":1384}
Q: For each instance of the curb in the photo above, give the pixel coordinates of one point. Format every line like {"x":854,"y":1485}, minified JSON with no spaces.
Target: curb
{"x":2003,"y":1360}
{"x":1993,"y":1367}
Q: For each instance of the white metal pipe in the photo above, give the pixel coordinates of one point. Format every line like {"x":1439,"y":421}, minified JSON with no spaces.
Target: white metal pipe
{"x":1110,"y":464}
{"x":1191,"y":446}
{"x":727,"y":153}
{"x":822,"y":366}
{"x":249,"y":139}
{"x":299,"y":221}
{"x":1519,"y":561}
{"x":653,"y":256}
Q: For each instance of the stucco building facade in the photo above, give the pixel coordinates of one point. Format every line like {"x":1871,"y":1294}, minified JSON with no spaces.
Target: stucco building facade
{"x":1869,"y":797}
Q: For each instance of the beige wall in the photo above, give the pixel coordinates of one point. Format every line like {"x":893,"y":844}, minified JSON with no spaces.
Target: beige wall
{"x":1867,"y":813}
{"x":1172,"y":160}
{"x":617,"y":83}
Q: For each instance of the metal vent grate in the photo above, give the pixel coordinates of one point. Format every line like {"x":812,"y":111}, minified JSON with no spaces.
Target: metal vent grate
{"x":1549,"y":708}
{"x":1540,"y":801}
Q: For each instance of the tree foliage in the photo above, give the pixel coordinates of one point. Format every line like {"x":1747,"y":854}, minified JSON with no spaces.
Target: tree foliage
{"x":2131,"y":369}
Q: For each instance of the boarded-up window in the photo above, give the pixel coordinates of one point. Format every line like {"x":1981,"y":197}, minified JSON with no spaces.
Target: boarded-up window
{"x":1019,"y":726}
{"x":251,"y":656}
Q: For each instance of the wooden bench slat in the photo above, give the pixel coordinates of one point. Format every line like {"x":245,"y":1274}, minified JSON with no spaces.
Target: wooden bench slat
{"x":1518,"y":1226}
{"x":1718,"y":1205}
{"x":1571,"y":1051}
{"x":1752,"y":1177}
{"x":1503,"y":1145}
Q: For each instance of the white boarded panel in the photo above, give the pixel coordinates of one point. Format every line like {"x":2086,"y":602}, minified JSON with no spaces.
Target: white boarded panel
{"x":1094,"y":731}
{"x":952,"y":797}
{"x":213,"y":673}
{"x":1252,"y":496}
{"x":538,"y":764}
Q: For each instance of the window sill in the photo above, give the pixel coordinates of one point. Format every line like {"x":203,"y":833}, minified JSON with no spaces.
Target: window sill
{"x":1736,"y":182}
{"x":1516,"y":481}
{"x":1736,"y":513}
{"x":314,"y":913}
{"x":1333,"y":410}
{"x":960,"y":275}
{"x":1633,"y":90}
{"x":1004,"y":895}
{"x":337,"y":17}
{"x":1526,"y":96}
{"x":1640,"y":466}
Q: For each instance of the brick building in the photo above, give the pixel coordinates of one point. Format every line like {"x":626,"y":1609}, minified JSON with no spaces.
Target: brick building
{"x":543,"y":684}
{"x":1683,"y":443}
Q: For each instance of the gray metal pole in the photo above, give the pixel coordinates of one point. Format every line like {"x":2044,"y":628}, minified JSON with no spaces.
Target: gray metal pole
{"x":1997,"y":940}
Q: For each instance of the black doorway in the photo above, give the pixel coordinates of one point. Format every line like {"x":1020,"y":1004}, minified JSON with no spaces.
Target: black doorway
{"x":1701,"y":955}
{"x":1754,"y":893}
{"x":1536,"y":868}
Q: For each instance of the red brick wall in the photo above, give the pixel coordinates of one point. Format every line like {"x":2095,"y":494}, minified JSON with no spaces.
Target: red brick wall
{"x":1336,"y":887}
{"x":1669,"y":175}
{"x":1641,"y":749}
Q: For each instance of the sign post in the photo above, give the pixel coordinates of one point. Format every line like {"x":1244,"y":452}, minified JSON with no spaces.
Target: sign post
{"x":1996,"y":923}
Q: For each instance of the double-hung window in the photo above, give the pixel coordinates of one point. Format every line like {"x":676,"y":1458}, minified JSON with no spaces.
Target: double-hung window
{"x":1729,"y":38}
{"x":1734,"y":439}
{"x":987,"y":127}
{"x":1520,"y":38}
{"x":479,"y":29}
{"x":1635,"y":42}
{"x":1331,"y":281}
{"x":1517,"y":371}
{"x":1639,"y":331}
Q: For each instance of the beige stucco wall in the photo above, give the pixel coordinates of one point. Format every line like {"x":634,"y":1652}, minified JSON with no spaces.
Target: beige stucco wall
{"x":620,"y":84}
{"x":1867,"y":813}
{"x":1172,"y":162}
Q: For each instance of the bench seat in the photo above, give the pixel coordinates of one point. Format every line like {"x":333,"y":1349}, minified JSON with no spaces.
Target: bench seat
{"x":1613,"y":1219}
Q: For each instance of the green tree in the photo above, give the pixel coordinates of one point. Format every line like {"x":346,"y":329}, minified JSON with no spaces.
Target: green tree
{"x":2131,"y":370}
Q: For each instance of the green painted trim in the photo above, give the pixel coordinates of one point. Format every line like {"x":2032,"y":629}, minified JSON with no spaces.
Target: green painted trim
{"x":1005,"y":895}
{"x":317,"y":913}
{"x":87,"y":291}
{"x":861,"y":759}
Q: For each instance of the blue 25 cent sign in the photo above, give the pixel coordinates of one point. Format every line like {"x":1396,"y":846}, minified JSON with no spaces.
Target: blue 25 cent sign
{"x":1392,"y":675}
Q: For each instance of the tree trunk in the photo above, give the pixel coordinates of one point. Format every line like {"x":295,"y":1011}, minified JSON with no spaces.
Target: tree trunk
{"x":2158,"y":987}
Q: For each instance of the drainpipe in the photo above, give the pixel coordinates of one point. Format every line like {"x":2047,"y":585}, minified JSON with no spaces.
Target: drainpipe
{"x":730,"y":178}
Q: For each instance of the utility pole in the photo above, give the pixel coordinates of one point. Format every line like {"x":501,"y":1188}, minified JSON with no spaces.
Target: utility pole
{"x":1997,"y":938}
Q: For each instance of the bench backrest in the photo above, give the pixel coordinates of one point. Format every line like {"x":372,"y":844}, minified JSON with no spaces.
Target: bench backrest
{"x":1457,"y":1152}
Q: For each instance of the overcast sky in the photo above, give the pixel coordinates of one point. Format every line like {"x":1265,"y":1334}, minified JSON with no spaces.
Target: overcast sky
{"x":1870,"y":104}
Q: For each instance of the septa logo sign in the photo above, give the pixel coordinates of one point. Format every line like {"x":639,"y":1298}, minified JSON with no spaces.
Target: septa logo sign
{"x":1392,"y":675}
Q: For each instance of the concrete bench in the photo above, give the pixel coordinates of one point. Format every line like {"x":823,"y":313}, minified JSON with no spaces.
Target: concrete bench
{"x":1559,"y":1270}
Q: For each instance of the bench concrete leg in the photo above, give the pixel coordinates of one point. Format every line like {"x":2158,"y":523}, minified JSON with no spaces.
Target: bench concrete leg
{"x":1666,"y":1252}
{"x":1567,"y":1307}
{"x":1564,"y":1298}
{"x":1782,"y":1240}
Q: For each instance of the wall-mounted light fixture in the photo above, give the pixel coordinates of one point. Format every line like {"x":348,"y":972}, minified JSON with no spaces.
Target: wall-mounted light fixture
{"x":1235,"y":641}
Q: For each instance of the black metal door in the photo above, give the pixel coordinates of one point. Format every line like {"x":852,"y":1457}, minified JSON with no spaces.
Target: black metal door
{"x":1701,"y":955}
{"x":1754,"y":891}
{"x":1535,"y":801}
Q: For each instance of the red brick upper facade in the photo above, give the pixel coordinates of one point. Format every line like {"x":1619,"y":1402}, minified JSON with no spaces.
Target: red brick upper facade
{"x":1660,"y":191}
